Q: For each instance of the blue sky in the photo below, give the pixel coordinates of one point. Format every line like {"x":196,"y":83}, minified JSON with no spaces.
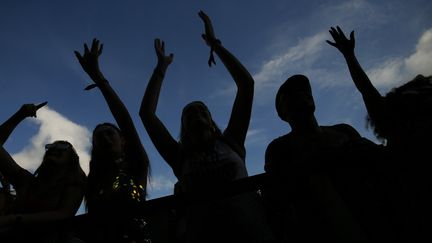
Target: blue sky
{"x":274,"y":39}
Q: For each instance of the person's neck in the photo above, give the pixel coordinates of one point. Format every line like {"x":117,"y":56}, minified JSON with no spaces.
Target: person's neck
{"x":305,"y":126}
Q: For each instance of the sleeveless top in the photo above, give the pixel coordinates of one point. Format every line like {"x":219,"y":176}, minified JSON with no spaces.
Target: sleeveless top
{"x":224,"y":163}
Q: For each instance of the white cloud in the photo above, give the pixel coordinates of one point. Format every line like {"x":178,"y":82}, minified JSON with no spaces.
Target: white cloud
{"x":421,"y":62}
{"x":53,"y":126}
{"x":395,"y":71}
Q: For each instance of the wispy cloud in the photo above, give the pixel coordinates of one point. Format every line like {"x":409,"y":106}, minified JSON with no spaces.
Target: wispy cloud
{"x":388,"y":74}
{"x":275,"y":69}
{"x":256,"y":137}
{"x":54,"y":126}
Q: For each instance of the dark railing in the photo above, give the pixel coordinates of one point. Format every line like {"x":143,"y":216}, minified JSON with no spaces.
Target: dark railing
{"x":344,"y":197}
{"x":160,"y":213}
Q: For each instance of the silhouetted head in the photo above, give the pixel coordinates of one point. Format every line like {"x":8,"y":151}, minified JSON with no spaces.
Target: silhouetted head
{"x":108,"y":145}
{"x":407,"y":112}
{"x":197,"y":125}
{"x":60,"y":157}
{"x":294,"y":99}
{"x":108,"y":139}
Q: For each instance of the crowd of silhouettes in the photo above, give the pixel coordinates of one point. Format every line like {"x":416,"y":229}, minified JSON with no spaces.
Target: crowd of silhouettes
{"x":325,"y":183}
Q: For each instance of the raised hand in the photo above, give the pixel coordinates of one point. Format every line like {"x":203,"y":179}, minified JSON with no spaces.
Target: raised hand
{"x":163,"y":60}
{"x":209,"y":35}
{"x":89,"y":61}
{"x":343,"y":44}
{"x":29,"y":110}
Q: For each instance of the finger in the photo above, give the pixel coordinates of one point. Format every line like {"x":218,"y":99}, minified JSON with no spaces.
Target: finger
{"x":94,"y":46}
{"x":163,"y":46}
{"x":155,"y":43}
{"x":100,"y":50}
{"x":78,"y":55}
{"x":86,"y":49}
{"x":41,"y":105}
{"x":341,"y":33}
{"x":334,"y":35}
{"x":352,"y":35}
{"x":331,"y":43}
{"x":333,"y":29}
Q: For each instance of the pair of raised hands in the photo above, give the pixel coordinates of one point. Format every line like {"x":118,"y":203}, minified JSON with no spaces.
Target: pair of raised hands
{"x":209,"y":37}
{"x":89,"y":59}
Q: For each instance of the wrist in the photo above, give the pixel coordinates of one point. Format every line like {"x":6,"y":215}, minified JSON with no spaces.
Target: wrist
{"x":349,"y":54}
{"x":160,"y":70}
{"x":100,"y":82}
{"x":214,"y":43}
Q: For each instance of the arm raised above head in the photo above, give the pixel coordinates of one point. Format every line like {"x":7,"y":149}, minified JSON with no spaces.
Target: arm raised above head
{"x":242,"y":108}
{"x":159,"y":134}
{"x":8,"y":167}
{"x":26,"y":110}
{"x":90,"y":63}
{"x":370,"y":94}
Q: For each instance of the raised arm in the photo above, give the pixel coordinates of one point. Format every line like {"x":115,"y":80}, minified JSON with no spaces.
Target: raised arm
{"x":161,"y":138}
{"x":90,"y":64}
{"x":241,"y":112}
{"x":371,"y":96}
{"x":26,"y":110}
{"x":8,"y":167}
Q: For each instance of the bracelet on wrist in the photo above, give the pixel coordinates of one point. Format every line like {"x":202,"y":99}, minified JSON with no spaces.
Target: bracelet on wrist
{"x":92,"y":86}
{"x":213,"y":43}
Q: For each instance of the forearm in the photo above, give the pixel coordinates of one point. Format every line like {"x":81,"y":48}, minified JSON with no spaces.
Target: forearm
{"x":239,"y":73}
{"x":125,"y":123}
{"x":359,"y":76}
{"x":151,"y":94}
{"x":370,"y":94}
{"x":116,"y":106}
{"x":8,"y":126}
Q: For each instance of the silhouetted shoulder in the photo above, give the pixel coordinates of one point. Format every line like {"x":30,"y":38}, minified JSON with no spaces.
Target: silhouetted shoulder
{"x":276,"y":151}
{"x":346,"y":129}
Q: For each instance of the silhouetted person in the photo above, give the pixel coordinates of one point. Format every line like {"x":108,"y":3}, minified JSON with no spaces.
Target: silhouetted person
{"x":304,"y":197}
{"x":119,"y":165}
{"x":403,"y":118}
{"x":206,"y":158}
{"x":45,"y":199}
